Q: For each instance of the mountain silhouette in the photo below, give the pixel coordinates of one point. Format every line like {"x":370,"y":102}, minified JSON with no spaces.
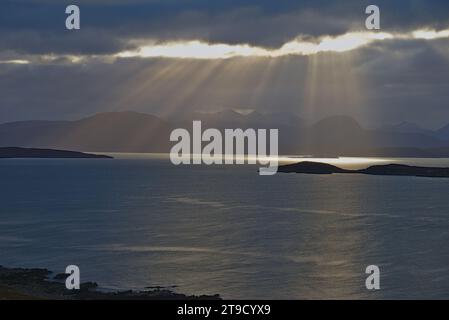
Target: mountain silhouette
{"x":406,"y":127}
{"x":139,"y":132}
{"x":104,"y":132}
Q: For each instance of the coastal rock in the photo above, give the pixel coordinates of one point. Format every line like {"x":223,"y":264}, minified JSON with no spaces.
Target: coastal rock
{"x":18,"y":283}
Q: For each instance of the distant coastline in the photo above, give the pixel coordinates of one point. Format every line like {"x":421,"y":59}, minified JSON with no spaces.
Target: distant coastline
{"x":17,"y":152}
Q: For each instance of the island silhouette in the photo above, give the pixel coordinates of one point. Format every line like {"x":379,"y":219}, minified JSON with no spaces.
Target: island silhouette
{"x":309,"y":167}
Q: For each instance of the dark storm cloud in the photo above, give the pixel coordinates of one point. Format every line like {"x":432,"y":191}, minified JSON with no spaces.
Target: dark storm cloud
{"x":34,"y":26}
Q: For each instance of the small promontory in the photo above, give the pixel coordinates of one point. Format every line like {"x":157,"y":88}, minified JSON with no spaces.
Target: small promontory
{"x":17,"y":152}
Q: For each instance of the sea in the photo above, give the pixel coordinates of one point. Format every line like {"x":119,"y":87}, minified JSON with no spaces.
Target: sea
{"x":138,"y":221}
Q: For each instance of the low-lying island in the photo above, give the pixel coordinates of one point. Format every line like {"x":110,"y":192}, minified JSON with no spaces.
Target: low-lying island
{"x":309,"y":167}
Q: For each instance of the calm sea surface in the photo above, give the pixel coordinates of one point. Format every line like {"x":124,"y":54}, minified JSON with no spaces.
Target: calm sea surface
{"x":139,"y":221}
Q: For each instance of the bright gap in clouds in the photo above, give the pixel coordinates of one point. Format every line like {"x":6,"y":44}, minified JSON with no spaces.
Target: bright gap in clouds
{"x":14,"y":62}
{"x":430,"y":34}
{"x":196,"y":49}
{"x":203,"y":50}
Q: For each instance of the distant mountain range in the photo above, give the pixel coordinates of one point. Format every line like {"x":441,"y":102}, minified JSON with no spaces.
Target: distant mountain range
{"x":139,"y":132}
{"x":104,"y":132}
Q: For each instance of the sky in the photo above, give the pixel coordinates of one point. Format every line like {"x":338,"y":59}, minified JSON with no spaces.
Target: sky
{"x":312,"y":58}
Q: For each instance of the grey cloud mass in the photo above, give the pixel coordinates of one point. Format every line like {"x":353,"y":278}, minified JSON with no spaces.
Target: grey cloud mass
{"x":260,"y":22}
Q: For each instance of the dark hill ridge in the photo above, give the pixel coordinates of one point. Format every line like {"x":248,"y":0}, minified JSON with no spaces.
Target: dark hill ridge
{"x":381,"y":170}
{"x":14,"y":152}
{"x":139,"y":132}
{"x":103,"y":132}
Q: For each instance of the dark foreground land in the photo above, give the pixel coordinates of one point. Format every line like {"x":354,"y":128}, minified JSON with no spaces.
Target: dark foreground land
{"x":381,"y":170}
{"x":38,"y":284}
{"x":16,"y":152}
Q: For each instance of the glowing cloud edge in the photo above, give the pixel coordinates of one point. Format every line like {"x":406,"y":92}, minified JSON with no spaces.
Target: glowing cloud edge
{"x":196,"y":49}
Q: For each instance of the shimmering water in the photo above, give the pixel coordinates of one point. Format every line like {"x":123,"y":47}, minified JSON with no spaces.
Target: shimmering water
{"x":139,"y":221}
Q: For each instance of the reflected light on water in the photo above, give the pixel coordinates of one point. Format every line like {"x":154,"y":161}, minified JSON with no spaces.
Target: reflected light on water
{"x":343,"y":162}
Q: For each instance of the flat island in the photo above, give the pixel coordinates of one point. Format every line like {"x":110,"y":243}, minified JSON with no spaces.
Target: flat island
{"x":380,"y":170}
{"x":16,"y":152}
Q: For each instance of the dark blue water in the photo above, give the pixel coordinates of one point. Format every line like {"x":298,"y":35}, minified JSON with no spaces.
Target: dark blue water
{"x":132,"y":223}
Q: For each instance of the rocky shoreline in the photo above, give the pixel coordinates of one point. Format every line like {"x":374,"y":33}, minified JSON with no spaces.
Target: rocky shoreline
{"x":41,"y":284}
